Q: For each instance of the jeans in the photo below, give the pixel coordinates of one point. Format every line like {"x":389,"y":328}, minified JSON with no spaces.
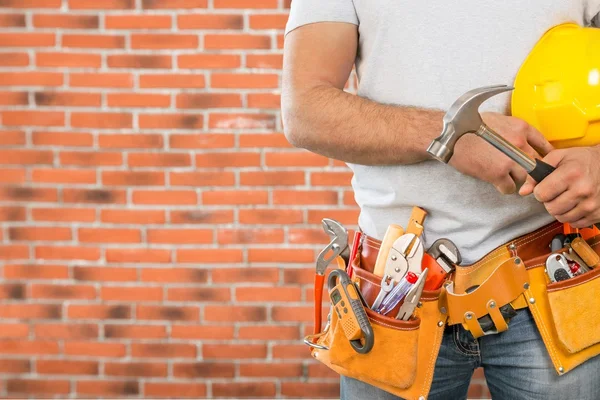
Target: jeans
{"x":515,"y":363}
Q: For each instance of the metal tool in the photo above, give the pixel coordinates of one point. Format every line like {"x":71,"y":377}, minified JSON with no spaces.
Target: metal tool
{"x":463,"y":117}
{"x":398,"y":293}
{"x":335,"y":248}
{"x":348,"y":304}
{"x":558,"y":242}
{"x":586,"y":252}
{"x":439,"y":260}
{"x":557,"y":268}
{"x":572,"y":255}
{"x":412,"y":298}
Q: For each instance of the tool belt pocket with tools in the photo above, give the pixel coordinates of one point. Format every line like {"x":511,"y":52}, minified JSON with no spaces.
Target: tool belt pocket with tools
{"x":564,"y":298}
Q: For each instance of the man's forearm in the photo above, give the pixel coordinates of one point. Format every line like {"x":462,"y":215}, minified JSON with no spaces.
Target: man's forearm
{"x":336,"y":124}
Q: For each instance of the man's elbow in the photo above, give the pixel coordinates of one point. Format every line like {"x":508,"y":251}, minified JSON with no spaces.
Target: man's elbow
{"x":294,"y":126}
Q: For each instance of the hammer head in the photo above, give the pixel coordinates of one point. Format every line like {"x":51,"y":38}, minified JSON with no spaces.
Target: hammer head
{"x":462,"y":117}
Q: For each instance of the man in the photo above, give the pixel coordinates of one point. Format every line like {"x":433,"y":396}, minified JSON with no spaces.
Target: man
{"x":413,"y":59}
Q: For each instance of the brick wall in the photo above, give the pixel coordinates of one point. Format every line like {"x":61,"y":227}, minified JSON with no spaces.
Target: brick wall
{"x":158,"y":232}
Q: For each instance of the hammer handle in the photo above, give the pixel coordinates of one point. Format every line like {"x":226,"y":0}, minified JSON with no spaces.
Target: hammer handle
{"x":541,"y":171}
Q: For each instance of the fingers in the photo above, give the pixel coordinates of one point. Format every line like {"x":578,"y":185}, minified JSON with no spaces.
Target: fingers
{"x":562,"y":205}
{"x":506,"y":185}
{"x":538,"y":141}
{"x":555,"y":183}
{"x":518,"y":175}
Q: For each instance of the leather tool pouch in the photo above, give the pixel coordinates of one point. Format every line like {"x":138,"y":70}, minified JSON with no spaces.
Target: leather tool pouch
{"x":403,"y":357}
{"x":567,"y":313}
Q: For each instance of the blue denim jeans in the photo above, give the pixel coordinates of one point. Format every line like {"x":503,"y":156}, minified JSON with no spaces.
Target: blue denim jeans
{"x":516,"y":366}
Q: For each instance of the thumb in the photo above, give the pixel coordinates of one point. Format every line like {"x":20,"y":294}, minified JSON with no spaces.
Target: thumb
{"x":527,"y":187}
{"x":553,"y":158}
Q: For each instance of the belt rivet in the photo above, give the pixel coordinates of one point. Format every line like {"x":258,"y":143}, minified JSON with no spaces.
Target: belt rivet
{"x":493,"y":304}
{"x":517,"y":261}
{"x":526,"y":285}
{"x":441,"y":323}
{"x":469,"y":315}
{"x":532,"y":300}
{"x":443,"y":310}
{"x":419,"y":304}
{"x":561,"y":370}
{"x":512,"y":246}
{"x":394,"y":257}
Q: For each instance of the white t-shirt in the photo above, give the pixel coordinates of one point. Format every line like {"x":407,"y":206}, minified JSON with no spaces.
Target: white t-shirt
{"x":427,"y":54}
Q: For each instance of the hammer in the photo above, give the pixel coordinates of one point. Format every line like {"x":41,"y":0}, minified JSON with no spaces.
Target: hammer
{"x":463,"y":117}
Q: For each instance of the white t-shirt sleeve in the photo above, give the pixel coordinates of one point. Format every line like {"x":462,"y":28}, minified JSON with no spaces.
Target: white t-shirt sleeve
{"x":592,"y":13}
{"x":305,"y":12}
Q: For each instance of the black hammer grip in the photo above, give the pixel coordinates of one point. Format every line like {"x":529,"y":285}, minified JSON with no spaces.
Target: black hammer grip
{"x":541,"y":171}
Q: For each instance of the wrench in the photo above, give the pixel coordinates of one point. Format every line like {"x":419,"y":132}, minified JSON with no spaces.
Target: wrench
{"x":337,"y":247}
{"x":439,"y":259}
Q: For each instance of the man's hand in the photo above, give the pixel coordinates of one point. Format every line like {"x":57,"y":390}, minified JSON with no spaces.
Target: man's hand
{"x":475,"y":157}
{"x":571,"y":193}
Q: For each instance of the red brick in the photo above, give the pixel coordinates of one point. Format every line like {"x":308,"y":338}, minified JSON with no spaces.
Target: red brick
{"x":62,"y":291}
{"x":63,"y":176}
{"x":264,"y":100}
{"x":202,"y":294}
{"x":173,"y":313}
{"x":321,"y":371}
{"x":138,"y":21}
{"x":295,"y":159}
{"x":271,"y":216}
{"x":236,"y":42}
{"x":131,"y":294}
{"x":15,"y":60}
{"x":174,"y":4}
{"x":20,"y":157}
{"x":108,"y":235}
{"x":66,"y":331}
{"x":15,"y":366}
{"x":172,"y":81}
{"x":348,"y":217}
{"x":108,"y":388}
{"x":197,"y":179}
{"x":13,"y":331}
{"x":202,"y":217}
{"x":14,"y":252}
{"x":236,"y":314}
{"x":135,"y":332}
{"x":12,"y":21}
{"x":90,"y":159}
{"x":138,"y":100}
{"x":101,"y":4}
{"x":30,"y":311}
{"x":209,"y":100}
{"x":130,"y":141}
{"x":159,"y":160}
{"x":290,"y":351}
{"x":305,"y":197}
{"x":180,"y":236}
{"x":292,"y":314}
{"x":18,"y":193}
{"x":36,"y":271}
{"x":304,"y":236}
{"x":247,"y":275}
{"x":64,"y":214}
{"x":209,"y":61}
{"x":68,"y":99}
{"x":204,"y":256}
{"x":27,"y":39}
{"x":133,"y":178}
{"x":164,"y":41}
{"x":222,"y":160}
{"x":93,"y":41}
{"x":94,"y":196}
{"x":264,"y":140}
{"x":277,"y":255}
{"x":67,"y":253}
{"x":272,"y":178}
{"x":104,"y":274}
{"x":35,"y":233}
{"x":108,"y":80}
{"x":177,"y":390}
{"x":331,"y":178}
{"x":67,"y":21}
{"x":268,"y":332}
{"x":210,"y":21}
{"x":202,"y":331}
{"x":15,"y":346}
{"x":31,"y":3}
{"x":12,"y":99}
{"x":249,"y":236}
{"x":244,"y":81}
{"x":264,"y":61}
{"x":136,"y":369}
{"x":94,"y":349}
{"x":171,"y":121}
{"x":233,"y":351}
{"x":174,"y":275}
{"x":101,"y":120}
{"x":163,"y":350}
{"x":33,"y":118}
{"x":12,"y":176}
{"x":139,"y":61}
{"x":68,"y":60}
{"x":246,"y":4}
{"x":349,"y":199}
{"x":310,"y":390}
{"x":298,"y":276}
{"x":99,"y":311}
{"x":164,"y":197}
{"x":31,"y":78}
{"x":240,"y":389}
{"x":268,"y":295}
{"x":140,"y":217}
{"x":203,"y":370}
{"x":274,"y":370}
{"x":68,"y":367}
{"x":138,"y":255}
{"x":38,"y":387}
{"x":241,"y":121}
{"x":268,"y":21}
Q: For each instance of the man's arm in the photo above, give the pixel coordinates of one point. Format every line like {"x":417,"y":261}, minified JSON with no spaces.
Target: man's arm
{"x":319,"y":116}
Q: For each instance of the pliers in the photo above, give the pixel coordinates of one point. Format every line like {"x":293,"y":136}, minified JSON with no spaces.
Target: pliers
{"x":338,"y":247}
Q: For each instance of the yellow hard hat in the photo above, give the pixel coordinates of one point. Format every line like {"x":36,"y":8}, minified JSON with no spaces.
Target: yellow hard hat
{"x":557,"y":88}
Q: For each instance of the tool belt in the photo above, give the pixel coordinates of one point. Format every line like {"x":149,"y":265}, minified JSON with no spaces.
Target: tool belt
{"x":402,"y":357}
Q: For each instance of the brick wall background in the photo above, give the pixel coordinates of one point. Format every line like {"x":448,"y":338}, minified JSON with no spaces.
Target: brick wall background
{"x":158,"y":233}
